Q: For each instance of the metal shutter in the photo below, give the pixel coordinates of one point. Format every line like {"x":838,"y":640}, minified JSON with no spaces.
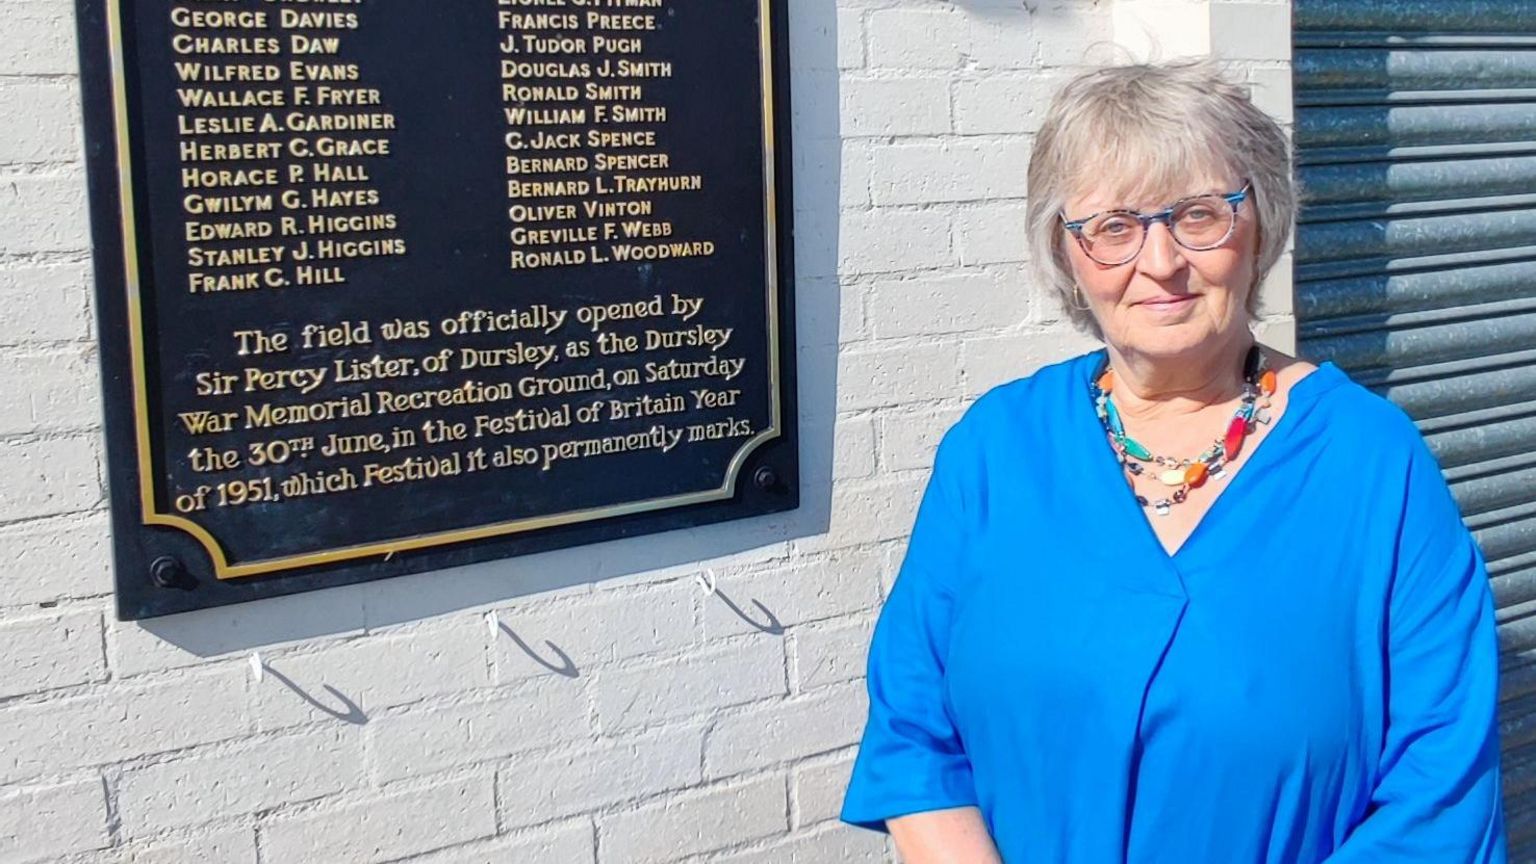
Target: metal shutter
{"x":1416,"y":271}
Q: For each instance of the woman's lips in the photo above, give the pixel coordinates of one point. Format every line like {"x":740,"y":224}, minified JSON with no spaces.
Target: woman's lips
{"x":1167,"y":302}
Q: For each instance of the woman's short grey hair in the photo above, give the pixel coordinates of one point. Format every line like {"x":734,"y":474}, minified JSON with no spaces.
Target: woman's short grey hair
{"x":1148,"y":130}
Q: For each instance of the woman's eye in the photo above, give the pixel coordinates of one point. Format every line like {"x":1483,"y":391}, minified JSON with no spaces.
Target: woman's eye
{"x":1112,"y":228}
{"x":1197,"y":214}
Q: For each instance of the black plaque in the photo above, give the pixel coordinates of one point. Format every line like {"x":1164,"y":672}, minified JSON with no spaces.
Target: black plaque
{"x":389,"y":285}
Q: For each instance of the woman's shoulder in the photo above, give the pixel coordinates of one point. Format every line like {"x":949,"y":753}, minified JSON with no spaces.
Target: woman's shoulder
{"x":1017,"y":416}
{"x":1348,"y":408}
{"x":1037,"y":394}
{"x":1343,"y":425}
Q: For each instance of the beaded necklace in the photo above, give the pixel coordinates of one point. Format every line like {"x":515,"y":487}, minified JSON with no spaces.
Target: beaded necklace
{"x":1183,"y":475}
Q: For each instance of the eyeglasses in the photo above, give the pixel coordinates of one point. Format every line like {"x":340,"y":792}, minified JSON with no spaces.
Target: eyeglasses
{"x":1198,"y":223}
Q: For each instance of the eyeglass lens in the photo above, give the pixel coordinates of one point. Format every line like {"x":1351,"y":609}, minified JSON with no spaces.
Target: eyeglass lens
{"x":1198,"y":224}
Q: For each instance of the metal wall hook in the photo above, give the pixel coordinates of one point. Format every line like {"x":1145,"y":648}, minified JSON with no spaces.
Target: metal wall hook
{"x":258,"y":668}
{"x":707,"y":582}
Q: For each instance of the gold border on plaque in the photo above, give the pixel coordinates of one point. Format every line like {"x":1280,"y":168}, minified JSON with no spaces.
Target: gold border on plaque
{"x":223,"y":569}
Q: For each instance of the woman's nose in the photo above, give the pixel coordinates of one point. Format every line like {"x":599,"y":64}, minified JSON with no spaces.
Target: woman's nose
{"x":1160,"y":257}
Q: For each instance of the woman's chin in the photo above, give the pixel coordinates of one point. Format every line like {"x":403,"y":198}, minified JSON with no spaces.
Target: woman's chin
{"x":1155,"y":332}
{"x":1171,"y":341}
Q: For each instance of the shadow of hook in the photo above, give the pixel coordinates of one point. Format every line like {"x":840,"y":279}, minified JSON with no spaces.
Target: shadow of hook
{"x":353,"y":714}
{"x":772,"y":625}
{"x":566,"y":667}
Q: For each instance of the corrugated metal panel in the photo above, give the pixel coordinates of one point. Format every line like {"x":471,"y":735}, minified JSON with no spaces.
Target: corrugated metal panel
{"x":1407,"y":19}
{"x":1416,"y":271}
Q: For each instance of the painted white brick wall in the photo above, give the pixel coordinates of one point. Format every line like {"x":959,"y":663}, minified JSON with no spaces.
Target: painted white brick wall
{"x":612,"y":712}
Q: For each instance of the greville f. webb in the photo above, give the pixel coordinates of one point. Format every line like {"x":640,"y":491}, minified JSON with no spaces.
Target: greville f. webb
{"x":1185,"y":598}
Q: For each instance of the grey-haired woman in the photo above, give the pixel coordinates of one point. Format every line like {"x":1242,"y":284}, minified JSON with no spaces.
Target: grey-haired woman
{"x":1183,"y":599}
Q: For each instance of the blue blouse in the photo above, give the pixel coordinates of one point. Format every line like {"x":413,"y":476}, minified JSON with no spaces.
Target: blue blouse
{"x":1311,"y":677}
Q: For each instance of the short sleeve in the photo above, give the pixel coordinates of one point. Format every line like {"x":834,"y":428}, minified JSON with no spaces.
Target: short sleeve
{"x":1437,"y":792}
{"x":911,"y":758}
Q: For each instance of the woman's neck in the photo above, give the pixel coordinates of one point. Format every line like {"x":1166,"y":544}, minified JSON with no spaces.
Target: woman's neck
{"x":1150,"y":388}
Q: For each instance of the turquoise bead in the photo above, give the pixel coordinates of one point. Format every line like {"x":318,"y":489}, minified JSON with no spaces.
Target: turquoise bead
{"x":1115,"y":425}
{"x":1133,"y":447}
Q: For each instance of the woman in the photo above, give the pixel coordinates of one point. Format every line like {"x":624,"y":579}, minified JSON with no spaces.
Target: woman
{"x":1184,"y":599}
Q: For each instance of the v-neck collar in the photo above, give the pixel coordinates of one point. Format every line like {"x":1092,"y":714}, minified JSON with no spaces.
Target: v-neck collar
{"x":1299,"y":401}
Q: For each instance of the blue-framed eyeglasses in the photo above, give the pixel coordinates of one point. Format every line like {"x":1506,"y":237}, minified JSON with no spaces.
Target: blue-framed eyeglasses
{"x":1199,"y":222}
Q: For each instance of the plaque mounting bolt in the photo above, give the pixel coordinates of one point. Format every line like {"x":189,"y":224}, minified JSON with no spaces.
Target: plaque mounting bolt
{"x":167,"y":572}
{"x":766,"y":478}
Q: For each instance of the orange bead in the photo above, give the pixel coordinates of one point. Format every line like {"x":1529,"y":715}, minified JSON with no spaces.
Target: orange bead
{"x":1107,"y":381}
{"x":1195,"y":475}
{"x":1267,"y":382}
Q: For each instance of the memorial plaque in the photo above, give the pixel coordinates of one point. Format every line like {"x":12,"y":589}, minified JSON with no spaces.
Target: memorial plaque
{"x":392,"y":285}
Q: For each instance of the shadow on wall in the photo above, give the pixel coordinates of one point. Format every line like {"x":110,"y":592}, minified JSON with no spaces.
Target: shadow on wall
{"x":817,"y":168}
{"x":1032,"y":7}
{"x":1040,"y":10}
{"x":344,"y":710}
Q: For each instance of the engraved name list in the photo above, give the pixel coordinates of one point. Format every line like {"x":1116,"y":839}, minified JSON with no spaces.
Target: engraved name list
{"x":403,"y":277}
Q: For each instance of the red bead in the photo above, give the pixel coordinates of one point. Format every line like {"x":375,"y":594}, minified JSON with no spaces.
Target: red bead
{"x":1236,"y":431}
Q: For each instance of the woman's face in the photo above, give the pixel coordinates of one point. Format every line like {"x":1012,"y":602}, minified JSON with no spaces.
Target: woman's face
{"x":1168,"y":301}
